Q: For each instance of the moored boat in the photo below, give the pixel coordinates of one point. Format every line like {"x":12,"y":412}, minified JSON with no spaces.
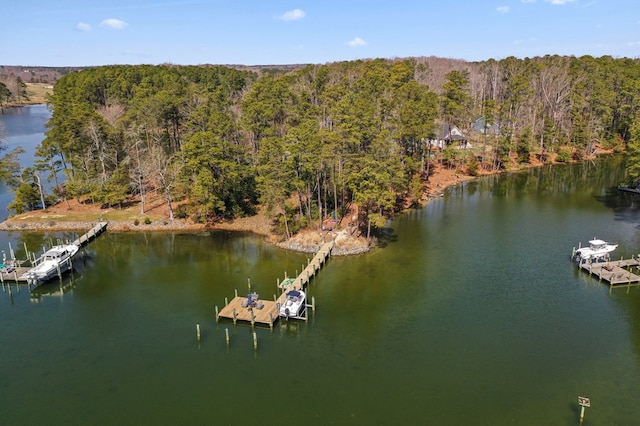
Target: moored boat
{"x":293,"y":304}
{"x":52,"y":263}
{"x":597,"y":250}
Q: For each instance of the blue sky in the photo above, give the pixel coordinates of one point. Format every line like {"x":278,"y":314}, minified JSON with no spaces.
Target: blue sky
{"x":261,"y":32}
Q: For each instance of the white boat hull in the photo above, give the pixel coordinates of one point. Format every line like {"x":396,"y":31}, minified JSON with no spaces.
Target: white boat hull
{"x":597,"y":250}
{"x":54,"y":262}
{"x":293,"y":304}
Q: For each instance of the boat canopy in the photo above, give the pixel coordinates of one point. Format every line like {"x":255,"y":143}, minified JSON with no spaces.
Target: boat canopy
{"x":294,"y":293}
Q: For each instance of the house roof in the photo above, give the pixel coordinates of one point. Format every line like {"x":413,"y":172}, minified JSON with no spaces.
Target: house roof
{"x":449,"y":132}
{"x":482,"y":127}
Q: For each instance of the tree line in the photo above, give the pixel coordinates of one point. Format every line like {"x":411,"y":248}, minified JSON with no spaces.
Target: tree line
{"x":306,"y":143}
{"x":12,"y":90}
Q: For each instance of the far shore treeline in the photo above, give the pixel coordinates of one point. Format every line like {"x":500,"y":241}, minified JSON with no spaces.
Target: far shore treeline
{"x":305,"y":143}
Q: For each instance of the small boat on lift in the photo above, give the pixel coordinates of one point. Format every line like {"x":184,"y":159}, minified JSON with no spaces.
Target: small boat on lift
{"x":293,"y":304}
{"x":52,"y":263}
{"x":597,"y":250}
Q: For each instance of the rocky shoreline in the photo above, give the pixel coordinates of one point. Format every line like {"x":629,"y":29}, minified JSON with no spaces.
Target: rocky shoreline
{"x":306,"y":242}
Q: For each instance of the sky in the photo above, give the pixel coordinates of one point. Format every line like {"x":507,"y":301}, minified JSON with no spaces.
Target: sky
{"x":278,"y":32}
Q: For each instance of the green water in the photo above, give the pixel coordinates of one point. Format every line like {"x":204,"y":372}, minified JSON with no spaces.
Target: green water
{"x":470,"y":313}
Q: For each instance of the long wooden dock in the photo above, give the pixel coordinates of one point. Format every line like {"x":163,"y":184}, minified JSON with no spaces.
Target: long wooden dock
{"x":616,"y":272}
{"x":266,"y":312}
{"x":18,"y":273}
{"x":91,"y":234}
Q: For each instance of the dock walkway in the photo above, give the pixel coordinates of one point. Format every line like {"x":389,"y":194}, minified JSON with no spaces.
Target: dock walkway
{"x":91,"y":234}
{"x":237,"y":309}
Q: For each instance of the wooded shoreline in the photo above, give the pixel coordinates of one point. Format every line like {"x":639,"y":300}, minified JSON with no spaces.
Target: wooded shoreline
{"x":204,"y":148}
{"x":306,"y":241}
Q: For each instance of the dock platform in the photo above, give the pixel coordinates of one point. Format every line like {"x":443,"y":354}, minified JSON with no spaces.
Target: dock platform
{"x":615,"y":272}
{"x":268,"y":314}
{"x":237,"y":310}
{"x":18,"y":274}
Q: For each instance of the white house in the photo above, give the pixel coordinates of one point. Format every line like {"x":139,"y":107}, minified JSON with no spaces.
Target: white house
{"x":449,"y":134}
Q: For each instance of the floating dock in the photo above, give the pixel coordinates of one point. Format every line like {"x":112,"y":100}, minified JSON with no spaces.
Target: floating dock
{"x":266,"y":312}
{"x":615,"y":272}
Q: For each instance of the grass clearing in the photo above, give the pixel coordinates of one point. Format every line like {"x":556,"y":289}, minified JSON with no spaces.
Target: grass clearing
{"x":38,"y":92}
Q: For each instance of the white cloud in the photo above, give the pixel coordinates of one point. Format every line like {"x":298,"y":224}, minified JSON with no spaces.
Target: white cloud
{"x":83,"y":27}
{"x":560,"y":2}
{"x":292,"y":15}
{"x":113,"y":23}
{"x":503,"y":9}
{"x":356,"y":42}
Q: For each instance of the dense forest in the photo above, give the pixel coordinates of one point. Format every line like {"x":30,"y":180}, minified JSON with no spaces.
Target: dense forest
{"x":305,"y":143}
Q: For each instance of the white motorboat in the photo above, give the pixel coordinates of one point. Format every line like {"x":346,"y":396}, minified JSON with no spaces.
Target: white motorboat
{"x":52,"y":263}
{"x":597,"y":250}
{"x":293,"y":304}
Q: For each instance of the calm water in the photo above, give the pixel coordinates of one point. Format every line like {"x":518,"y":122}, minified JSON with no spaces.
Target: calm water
{"x":24,"y":127}
{"x":470,"y":314}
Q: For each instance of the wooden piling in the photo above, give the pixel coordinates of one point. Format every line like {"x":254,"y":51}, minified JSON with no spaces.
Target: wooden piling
{"x":226,"y":331}
{"x":255,"y":341}
{"x":198,"y":331}
{"x":216,"y":313}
